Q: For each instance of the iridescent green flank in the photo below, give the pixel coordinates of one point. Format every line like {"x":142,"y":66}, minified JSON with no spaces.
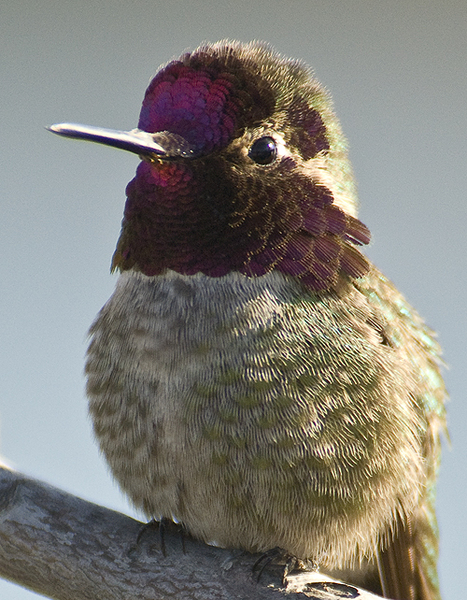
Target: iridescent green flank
{"x":408,"y":332}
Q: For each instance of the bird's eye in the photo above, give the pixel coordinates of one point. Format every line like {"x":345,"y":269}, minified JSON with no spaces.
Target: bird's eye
{"x":263,"y":151}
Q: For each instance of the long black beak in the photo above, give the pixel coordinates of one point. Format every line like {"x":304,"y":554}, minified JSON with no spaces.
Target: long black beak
{"x":162,"y":144}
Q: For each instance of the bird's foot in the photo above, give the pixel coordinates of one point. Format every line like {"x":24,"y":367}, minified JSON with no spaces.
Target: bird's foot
{"x":278,"y":555}
{"x":162,"y":527}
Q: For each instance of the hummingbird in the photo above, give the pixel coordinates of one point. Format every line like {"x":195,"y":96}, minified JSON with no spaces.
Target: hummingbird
{"x":254,"y":376}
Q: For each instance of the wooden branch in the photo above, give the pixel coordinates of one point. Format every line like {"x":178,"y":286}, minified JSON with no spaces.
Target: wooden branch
{"x":66,"y":548}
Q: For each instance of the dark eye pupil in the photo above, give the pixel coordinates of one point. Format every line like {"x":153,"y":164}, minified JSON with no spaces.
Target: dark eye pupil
{"x":263,"y":151}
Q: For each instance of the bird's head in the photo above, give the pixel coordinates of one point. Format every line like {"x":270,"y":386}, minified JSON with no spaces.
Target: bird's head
{"x":244,"y":168}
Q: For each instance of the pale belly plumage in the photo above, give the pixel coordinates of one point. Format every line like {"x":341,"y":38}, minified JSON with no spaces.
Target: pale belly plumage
{"x":257,"y":414}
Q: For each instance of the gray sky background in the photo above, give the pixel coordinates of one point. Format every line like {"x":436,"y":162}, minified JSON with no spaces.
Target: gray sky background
{"x":398,"y":74}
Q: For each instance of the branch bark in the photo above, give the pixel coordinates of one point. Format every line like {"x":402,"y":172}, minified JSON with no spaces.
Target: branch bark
{"x":67,"y":548}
